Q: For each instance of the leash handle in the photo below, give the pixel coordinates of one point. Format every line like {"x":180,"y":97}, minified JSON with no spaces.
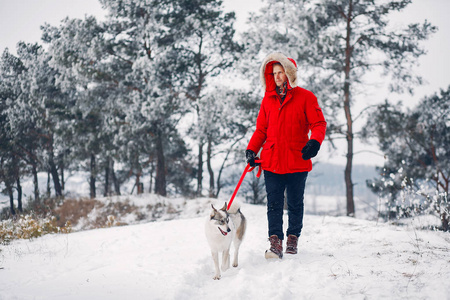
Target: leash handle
{"x":258,"y":161}
{"x":247,"y":170}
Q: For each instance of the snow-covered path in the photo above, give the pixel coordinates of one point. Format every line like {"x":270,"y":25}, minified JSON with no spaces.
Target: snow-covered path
{"x":339,"y":258}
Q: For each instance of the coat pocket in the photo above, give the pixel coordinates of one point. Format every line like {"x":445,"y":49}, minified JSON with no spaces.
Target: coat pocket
{"x":295,"y":155}
{"x":267,"y":154}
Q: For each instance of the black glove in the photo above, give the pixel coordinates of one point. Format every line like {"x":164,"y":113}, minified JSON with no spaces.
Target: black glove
{"x":251,"y":156}
{"x":310,"y":150}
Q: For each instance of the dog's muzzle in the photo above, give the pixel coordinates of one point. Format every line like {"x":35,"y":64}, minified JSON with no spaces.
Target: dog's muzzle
{"x":223,"y":232}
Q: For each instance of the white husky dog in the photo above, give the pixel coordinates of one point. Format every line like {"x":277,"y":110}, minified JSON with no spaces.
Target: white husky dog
{"x":221,"y":228}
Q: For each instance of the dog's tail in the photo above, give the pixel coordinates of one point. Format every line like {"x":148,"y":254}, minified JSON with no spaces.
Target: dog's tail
{"x":234,"y":207}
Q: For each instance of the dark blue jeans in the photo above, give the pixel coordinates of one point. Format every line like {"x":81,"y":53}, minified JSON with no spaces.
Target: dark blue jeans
{"x":276,"y":184}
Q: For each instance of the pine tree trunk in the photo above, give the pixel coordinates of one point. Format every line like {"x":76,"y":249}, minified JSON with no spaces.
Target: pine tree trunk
{"x":92,"y":177}
{"x":348,"y":116}
{"x":160,"y":180}
{"x":11,"y":198}
{"x":138,"y":183}
{"x":444,"y":206}
{"x":138,"y":169}
{"x":210,"y":170}
{"x":200,"y":169}
{"x":49,"y":191}
{"x":152,"y":169}
{"x":114,"y":179}
{"x":445,"y":221}
{"x":54,"y":173}
{"x":36,"y":184}
{"x":19,"y":195}
{"x":107,"y":172}
{"x":61,"y":170}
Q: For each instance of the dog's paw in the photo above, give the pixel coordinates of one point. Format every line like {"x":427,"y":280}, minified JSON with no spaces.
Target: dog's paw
{"x":216,"y":277}
{"x":235,"y":265}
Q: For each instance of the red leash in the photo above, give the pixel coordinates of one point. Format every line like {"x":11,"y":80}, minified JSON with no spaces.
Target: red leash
{"x":247,"y":170}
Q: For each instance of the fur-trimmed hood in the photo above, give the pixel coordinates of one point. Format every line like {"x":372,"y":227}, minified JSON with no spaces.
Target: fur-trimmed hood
{"x":266,"y":72}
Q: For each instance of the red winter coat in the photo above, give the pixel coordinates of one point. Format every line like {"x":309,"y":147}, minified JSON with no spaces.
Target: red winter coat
{"x":282,"y":129}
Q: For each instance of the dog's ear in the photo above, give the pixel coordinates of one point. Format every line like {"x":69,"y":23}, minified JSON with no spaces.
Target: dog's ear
{"x":224,"y":208}
{"x":213,"y":213}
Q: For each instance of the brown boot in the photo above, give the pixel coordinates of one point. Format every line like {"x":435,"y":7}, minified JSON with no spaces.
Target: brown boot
{"x":276,"y":248}
{"x":291,"y":245}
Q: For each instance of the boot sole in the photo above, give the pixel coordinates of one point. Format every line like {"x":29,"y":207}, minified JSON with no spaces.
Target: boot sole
{"x":271,"y":255}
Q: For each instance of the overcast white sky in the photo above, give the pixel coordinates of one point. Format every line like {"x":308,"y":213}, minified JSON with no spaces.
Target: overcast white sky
{"x":20,"y":20}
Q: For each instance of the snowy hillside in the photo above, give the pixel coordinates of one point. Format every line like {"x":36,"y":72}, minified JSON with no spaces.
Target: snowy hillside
{"x":339,"y":258}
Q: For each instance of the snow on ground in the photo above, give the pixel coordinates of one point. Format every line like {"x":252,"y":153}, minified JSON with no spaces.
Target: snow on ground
{"x":339,"y":258}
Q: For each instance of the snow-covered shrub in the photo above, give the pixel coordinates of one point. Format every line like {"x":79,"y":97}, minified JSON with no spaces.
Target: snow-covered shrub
{"x":85,"y":213}
{"x":28,"y":227}
{"x":416,"y":174}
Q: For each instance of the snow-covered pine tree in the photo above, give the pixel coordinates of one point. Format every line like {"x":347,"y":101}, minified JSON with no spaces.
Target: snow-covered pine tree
{"x":335,"y":44}
{"x":221,"y":124}
{"x":150,"y":96}
{"x":202,"y":39}
{"x":76,"y":50}
{"x":127,"y":102}
{"x":33,"y":112}
{"x":10,"y":90}
{"x":416,"y":175}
